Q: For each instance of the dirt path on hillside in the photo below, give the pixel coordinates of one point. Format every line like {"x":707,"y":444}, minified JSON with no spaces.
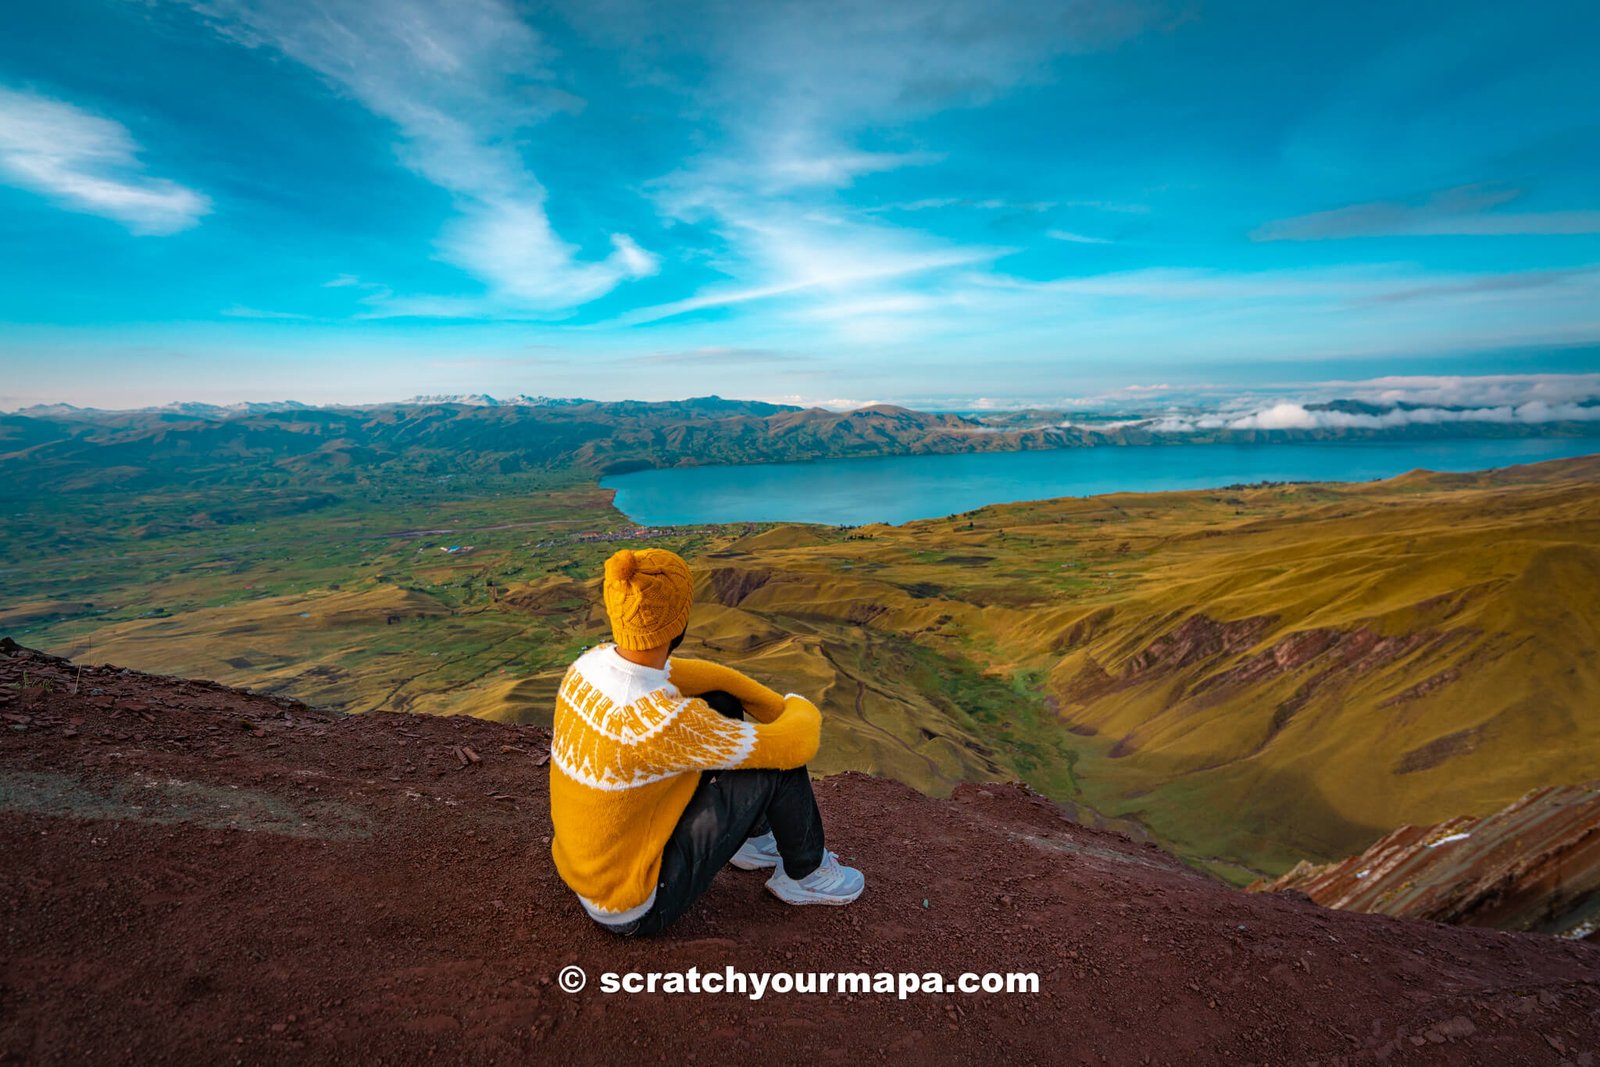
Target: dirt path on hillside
{"x":194,"y":874}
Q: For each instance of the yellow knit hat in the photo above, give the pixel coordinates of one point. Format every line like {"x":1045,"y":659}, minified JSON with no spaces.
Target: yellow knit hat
{"x":648,"y":594}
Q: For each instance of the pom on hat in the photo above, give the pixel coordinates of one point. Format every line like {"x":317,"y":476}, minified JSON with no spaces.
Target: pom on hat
{"x":622,"y":566}
{"x":648,"y":594}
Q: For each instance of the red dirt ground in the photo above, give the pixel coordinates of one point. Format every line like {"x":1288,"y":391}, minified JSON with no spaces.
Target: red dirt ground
{"x":195,"y":874}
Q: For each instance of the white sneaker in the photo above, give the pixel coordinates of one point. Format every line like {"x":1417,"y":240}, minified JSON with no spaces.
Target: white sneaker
{"x":757,"y":853}
{"x":831,"y":883}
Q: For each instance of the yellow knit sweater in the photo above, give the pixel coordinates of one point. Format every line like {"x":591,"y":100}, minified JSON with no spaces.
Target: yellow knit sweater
{"x":629,"y":744}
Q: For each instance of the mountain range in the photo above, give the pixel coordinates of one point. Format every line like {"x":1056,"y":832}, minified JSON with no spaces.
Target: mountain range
{"x":65,"y":449}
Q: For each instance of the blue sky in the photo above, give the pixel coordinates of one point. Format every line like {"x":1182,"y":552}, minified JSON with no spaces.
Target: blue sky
{"x":356,"y":201}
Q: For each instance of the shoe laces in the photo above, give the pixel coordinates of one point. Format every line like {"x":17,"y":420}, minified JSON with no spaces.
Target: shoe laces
{"x":829,"y":872}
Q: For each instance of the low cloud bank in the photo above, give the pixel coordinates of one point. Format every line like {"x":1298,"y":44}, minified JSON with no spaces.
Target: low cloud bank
{"x":1479,"y":390}
{"x":1293,"y":416}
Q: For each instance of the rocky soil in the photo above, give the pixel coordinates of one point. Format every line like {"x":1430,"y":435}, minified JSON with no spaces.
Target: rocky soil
{"x":194,"y":874}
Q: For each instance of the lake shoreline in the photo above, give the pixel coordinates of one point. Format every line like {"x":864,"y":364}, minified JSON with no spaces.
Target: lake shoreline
{"x":867,"y":490}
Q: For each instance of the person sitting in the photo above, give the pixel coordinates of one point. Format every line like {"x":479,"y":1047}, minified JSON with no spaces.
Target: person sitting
{"x":657,"y":779}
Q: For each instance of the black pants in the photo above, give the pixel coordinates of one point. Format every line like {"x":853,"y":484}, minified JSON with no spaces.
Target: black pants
{"x":727,"y":808}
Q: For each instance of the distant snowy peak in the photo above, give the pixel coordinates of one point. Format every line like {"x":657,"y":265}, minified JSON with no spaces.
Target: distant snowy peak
{"x":189,"y":408}
{"x":267,"y":407}
{"x":196,"y":410}
{"x":46,"y":411}
{"x":482,"y":400}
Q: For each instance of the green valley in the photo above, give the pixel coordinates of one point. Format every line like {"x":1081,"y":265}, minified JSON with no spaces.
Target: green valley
{"x":1252,"y":676}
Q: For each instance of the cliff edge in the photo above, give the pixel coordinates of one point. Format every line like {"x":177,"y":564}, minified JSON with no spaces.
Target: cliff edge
{"x":197,"y":874}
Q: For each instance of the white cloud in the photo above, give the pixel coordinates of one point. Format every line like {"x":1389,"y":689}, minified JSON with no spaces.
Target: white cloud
{"x":1219,"y":405}
{"x":90,"y":164}
{"x":459,"y":80}
{"x":1292,"y":416}
{"x":1431,"y":400}
{"x":813,"y":99}
{"x":1485,"y":390}
{"x":509,"y":242}
{"x":818,"y":258}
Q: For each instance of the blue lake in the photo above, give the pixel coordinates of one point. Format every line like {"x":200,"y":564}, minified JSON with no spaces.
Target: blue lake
{"x":901,"y":488}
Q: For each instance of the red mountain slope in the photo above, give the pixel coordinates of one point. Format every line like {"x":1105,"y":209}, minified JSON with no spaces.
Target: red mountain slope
{"x":1533,"y":865}
{"x":198,"y":875}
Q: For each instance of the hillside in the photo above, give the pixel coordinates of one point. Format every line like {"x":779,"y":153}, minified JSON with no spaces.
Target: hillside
{"x":1259,"y":675}
{"x":203,"y":874}
{"x":1532,"y":865}
{"x":1254,"y":676}
{"x":78,"y":452}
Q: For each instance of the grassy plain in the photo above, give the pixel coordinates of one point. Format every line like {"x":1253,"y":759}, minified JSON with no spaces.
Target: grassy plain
{"x":1257,"y":675}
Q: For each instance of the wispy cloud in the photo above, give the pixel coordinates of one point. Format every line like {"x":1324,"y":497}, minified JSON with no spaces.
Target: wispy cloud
{"x":1291,"y":315}
{"x":797,"y":166}
{"x":1185,"y":284}
{"x":1487,"y":285}
{"x":810,"y":261}
{"x":458,"y":80}
{"x":1365,"y":284}
{"x":90,"y":164}
{"x":1464,"y":211}
{"x":803,"y":96}
{"x":1076,"y":238}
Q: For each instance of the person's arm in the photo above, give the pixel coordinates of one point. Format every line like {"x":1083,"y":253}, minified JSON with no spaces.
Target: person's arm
{"x":699,"y":739}
{"x":696,"y":676}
